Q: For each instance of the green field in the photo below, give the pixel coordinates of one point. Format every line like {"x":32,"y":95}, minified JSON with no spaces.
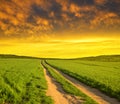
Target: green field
{"x":104,"y":76}
{"x":22,"y":82}
{"x":22,"y":79}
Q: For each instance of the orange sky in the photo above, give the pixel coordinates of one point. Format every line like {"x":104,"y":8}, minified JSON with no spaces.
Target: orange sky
{"x":60,"y":28}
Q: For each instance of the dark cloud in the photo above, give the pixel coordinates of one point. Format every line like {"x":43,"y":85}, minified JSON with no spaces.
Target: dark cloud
{"x":110,"y":6}
{"x":39,"y":11}
{"x":30,"y":19}
{"x":83,"y":2}
{"x":56,"y":8}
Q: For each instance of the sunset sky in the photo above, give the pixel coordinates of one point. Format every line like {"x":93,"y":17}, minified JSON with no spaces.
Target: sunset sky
{"x":60,"y":28}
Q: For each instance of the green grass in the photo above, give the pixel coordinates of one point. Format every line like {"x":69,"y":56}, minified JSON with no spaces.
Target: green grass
{"x":22,"y":82}
{"x":68,"y":87}
{"x":104,"y":58}
{"x":104,"y":76}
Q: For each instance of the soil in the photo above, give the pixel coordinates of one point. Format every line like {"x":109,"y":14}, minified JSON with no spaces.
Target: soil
{"x":56,"y":92}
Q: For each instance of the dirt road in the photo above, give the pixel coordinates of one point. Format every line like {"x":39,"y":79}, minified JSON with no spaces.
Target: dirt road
{"x":57,"y":93}
{"x":91,"y":92}
{"x":54,"y":92}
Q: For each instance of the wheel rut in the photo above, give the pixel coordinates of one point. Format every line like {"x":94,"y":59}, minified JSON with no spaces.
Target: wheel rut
{"x":56,"y":92}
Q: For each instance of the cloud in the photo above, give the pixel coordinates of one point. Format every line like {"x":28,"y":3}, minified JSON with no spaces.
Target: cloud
{"x":106,"y":20}
{"x":100,"y":2}
{"x":22,"y":19}
{"x":56,"y":9}
{"x":39,"y":11}
{"x":82,"y":2}
{"x":110,"y":6}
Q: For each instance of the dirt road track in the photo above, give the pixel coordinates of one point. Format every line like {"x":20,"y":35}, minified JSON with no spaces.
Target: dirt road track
{"x":91,"y":92}
{"x":57,"y":93}
{"x":53,"y":91}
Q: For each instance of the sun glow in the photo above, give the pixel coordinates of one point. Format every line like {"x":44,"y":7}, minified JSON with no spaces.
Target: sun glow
{"x":62,"y":48}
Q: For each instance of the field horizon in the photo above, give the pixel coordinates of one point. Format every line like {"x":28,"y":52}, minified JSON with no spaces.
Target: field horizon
{"x":85,"y":57}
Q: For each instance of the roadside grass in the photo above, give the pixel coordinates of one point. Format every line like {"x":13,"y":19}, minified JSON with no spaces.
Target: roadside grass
{"x":104,"y":76}
{"x":68,"y":87}
{"x":22,"y":81}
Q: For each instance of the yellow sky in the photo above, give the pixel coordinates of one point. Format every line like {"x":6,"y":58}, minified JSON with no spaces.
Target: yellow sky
{"x":69,"y":48}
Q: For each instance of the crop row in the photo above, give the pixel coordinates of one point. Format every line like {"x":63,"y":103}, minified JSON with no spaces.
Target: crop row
{"x":22,"y":81}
